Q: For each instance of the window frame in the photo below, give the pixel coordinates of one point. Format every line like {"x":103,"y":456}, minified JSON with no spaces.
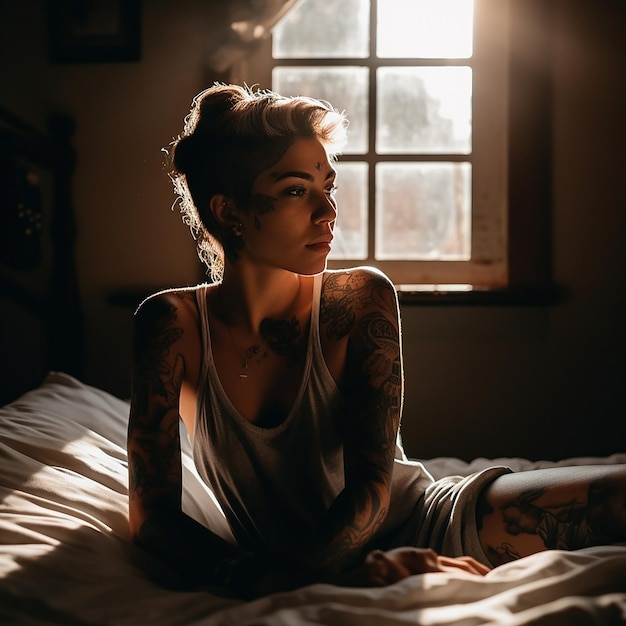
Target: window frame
{"x":528,"y":184}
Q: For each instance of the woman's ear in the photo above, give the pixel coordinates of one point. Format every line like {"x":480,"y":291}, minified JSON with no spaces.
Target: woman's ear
{"x":222,"y":208}
{"x":225,"y":213}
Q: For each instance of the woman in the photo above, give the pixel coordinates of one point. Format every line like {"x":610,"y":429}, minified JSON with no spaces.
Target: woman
{"x":289,"y":379}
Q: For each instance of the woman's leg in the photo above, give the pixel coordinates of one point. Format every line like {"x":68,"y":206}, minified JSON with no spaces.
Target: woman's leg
{"x":563,"y":508}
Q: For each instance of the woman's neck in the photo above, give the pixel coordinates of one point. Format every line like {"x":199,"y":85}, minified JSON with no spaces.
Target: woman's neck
{"x":247,"y":298}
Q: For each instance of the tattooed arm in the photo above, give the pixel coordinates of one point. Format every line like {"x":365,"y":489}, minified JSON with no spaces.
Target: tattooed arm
{"x":362,"y":307}
{"x":163,"y":343}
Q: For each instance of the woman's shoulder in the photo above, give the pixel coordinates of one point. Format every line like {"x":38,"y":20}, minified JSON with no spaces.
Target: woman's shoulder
{"x":349,"y":295}
{"x":356,"y":281}
{"x":178,"y":303}
{"x":173,"y":295}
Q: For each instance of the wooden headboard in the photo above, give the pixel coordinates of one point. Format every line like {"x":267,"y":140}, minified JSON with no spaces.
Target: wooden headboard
{"x":40,"y":320}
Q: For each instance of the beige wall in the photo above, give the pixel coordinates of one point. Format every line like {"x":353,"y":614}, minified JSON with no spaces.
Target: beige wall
{"x":481,"y":381}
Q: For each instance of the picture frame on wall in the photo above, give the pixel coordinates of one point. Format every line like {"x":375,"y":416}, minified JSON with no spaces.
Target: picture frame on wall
{"x":94,"y":31}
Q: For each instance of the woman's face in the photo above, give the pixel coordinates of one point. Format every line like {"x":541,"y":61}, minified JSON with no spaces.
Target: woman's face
{"x":293,"y":211}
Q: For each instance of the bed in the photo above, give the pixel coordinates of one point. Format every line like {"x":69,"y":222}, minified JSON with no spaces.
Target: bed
{"x":66,"y":557}
{"x":65,"y":553}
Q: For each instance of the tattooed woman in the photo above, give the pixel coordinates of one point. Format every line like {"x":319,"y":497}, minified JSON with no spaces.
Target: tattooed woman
{"x":288,"y":377}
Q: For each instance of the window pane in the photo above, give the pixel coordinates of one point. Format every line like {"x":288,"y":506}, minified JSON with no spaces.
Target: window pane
{"x":345,"y":87}
{"x":351,"y":228}
{"x":323,"y":29}
{"x":424,"y":110}
{"x":423,"y":211}
{"x":425,"y":28}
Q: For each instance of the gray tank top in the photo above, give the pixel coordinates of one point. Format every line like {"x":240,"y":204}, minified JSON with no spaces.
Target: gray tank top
{"x":275,"y":484}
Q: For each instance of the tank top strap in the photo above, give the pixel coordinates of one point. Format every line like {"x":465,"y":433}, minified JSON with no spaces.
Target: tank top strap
{"x":201,"y":300}
{"x":315,"y":306}
{"x":315,"y":352}
{"x":203,"y":310}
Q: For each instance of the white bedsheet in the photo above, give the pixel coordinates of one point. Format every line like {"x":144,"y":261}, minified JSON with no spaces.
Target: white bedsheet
{"x":65,"y":557}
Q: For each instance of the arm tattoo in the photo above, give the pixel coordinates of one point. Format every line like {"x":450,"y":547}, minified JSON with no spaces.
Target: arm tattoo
{"x":153,"y":437}
{"x":376,"y":349}
{"x":347,"y":292}
{"x":373,"y":388}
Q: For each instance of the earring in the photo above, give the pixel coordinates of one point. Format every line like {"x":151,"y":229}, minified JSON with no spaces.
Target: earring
{"x":238,"y":229}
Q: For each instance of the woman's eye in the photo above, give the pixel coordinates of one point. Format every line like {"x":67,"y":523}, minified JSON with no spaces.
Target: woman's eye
{"x":296,"y":191}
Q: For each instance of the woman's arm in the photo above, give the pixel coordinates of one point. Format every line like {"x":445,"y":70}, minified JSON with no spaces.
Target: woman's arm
{"x":362,"y":306}
{"x":162,"y":343}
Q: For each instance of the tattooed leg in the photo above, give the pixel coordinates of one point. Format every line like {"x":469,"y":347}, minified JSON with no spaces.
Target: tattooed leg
{"x":560,"y":508}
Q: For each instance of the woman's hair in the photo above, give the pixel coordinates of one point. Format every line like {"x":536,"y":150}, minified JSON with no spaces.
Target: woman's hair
{"x":231,"y":135}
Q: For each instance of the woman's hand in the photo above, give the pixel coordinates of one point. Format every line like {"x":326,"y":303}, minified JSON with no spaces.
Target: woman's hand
{"x":265,"y":576}
{"x":385,"y":568}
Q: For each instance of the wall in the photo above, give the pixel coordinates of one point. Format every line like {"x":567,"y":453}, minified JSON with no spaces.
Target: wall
{"x":539,"y":382}
{"x":545,"y":382}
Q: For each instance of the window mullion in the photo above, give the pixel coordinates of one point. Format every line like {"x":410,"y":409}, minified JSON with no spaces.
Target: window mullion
{"x":371,"y":153}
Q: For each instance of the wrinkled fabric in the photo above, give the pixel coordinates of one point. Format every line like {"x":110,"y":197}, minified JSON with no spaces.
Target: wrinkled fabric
{"x":66,"y":557}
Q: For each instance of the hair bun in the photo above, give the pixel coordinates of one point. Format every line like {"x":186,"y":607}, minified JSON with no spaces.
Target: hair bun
{"x":187,"y":153}
{"x":205,"y":126}
{"x":213,"y":104}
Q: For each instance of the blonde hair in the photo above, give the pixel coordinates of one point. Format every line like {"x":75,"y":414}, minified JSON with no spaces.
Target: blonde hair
{"x":230,"y":136}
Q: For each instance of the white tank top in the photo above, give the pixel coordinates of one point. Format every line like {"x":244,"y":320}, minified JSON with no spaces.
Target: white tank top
{"x":275,"y":484}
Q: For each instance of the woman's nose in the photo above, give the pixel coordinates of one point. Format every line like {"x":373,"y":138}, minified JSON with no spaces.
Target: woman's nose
{"x":327,"y":210}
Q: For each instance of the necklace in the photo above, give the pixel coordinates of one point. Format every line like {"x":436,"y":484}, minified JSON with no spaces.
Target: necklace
{"x":255,"y":349}
{"x":252,"y":351}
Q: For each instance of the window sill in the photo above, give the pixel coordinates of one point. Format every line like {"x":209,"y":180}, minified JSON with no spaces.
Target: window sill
{"x":416,"y":295}
{"x":468,"y":295}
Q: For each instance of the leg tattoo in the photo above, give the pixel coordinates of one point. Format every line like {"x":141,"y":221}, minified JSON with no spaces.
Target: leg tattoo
{"x":600,"y":519}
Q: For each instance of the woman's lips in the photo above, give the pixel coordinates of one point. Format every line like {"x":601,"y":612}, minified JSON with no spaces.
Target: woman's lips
{"x":320,"y":246}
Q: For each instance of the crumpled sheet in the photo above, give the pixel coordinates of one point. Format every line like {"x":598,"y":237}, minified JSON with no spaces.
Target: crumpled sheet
{"x":65,"y":556}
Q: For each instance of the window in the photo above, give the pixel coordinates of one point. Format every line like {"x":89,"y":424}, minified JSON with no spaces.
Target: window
{"x":423,"y":183}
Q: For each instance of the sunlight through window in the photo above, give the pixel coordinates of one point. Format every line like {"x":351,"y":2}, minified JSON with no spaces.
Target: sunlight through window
{"x":425,"y":28}
{"x":423,"y":82}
